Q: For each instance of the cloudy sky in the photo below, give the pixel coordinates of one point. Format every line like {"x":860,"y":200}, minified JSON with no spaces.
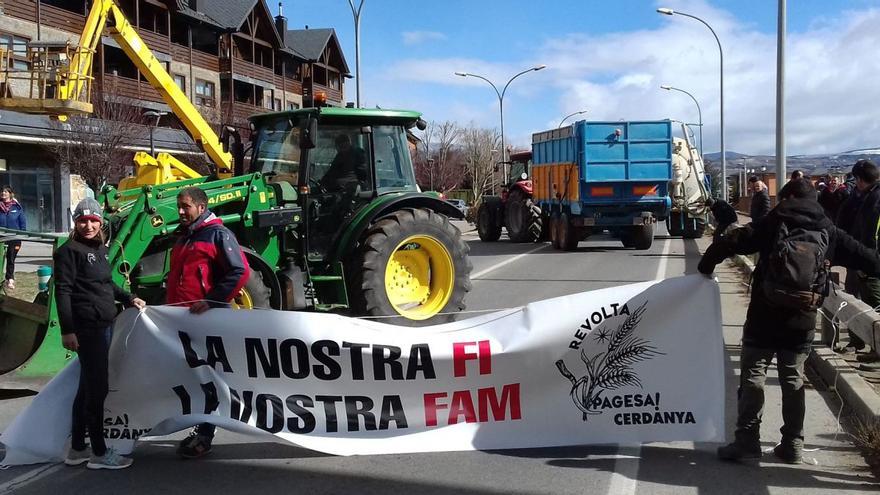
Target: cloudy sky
{"x":610,"y":58}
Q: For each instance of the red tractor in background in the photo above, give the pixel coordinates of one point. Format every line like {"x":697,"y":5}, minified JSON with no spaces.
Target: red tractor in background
{"x":515,"y":209}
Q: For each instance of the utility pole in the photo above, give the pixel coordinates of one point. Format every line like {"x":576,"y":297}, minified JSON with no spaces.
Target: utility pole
{"x":356,"y":13}
{"x":781,"y":173}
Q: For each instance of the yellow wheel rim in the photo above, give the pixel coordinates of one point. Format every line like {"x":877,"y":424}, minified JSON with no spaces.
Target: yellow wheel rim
{"x":243,"y":301}
{"x":419,"y":277}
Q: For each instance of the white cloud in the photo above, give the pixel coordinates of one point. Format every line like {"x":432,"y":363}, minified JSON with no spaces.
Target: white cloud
{"x":831,"y":87}
{"x":417,"y":37}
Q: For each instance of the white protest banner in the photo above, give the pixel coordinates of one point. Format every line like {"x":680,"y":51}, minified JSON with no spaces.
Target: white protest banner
{"x":636,"y":363}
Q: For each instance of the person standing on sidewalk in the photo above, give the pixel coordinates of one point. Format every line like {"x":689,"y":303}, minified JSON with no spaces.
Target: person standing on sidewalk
{"x":760,"y":199}
{"x":865,"y":228}
{"x":797,"y":243}
{"x":85,"y":295}
{"x":11,"y":217}
{"x":208,"y":270}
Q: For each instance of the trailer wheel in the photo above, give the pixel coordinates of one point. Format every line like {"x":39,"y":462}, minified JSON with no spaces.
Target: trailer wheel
{"x":488,"y":225}
{"x":554,"y":231}
{"x":255,"y":294}
{"x":412,"y":264}
{"x":523,"y":218}
{"x":568,"y":234}
{"x":642,"y":236}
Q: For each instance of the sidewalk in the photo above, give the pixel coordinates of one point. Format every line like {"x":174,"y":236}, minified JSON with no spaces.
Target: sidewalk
{"x":827,"y":445}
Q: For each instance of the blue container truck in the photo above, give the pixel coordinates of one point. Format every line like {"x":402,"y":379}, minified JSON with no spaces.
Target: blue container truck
{"x":594,"y":176}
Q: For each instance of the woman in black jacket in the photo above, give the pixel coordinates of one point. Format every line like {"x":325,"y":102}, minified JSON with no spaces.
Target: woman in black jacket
{"x":85,"y":295}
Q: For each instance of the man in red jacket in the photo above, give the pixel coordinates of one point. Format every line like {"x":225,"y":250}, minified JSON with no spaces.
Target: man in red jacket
{"x":208,"y":270}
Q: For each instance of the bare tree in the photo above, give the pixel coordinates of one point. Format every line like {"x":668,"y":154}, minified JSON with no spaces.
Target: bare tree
{"x":439,"y":166}
{"x":97,"y":147}
{"x":477,"y":148}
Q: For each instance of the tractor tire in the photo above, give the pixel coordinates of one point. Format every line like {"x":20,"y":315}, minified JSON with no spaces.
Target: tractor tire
{"x":642,"y":236}
{"x":255,"y":294}
{"x":695,"y":228}
{"x":569,"y":235}
{"x":523,"y":218}
{"x":673,"y":224}
{"x":488,"y":225}
{"x":412,"y":266}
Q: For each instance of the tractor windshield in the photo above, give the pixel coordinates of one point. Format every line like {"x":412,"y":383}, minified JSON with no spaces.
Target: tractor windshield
{"x":394,"y":169}
{"x":277,"y":151}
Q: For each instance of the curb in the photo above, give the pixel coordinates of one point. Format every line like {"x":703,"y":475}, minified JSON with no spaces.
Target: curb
{"x":837,"y":373}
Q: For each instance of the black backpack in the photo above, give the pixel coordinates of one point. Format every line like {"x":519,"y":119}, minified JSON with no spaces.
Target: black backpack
{"x":796,"y":271}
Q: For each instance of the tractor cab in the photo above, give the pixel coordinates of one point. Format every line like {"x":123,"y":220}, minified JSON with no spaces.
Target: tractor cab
{"x":335,"y":162}
{"x":518,"y":173}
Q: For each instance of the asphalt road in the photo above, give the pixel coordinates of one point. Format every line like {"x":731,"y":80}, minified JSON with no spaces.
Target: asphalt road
{"x":505,"y":275}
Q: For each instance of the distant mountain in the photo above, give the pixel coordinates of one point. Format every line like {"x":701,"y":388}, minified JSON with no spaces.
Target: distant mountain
{"x":838,"y":163}
{"x":730,"y":155}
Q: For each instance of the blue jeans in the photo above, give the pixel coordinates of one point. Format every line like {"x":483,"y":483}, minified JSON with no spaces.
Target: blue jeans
{"x":750,"y":406}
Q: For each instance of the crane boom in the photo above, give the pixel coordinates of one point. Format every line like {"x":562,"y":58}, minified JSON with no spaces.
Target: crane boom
{"x":62,"y":91}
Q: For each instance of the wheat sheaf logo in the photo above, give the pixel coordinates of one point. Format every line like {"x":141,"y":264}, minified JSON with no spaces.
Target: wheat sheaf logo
{"x":611,"y":369}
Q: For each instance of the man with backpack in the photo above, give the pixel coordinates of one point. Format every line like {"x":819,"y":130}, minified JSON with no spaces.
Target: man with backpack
{"x":797,"y":244}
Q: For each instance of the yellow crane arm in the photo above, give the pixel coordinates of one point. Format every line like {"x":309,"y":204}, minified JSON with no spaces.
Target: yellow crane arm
{"x":133,"y":45}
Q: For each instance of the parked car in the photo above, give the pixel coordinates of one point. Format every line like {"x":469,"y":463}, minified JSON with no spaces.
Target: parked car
{"x":460,"y":204}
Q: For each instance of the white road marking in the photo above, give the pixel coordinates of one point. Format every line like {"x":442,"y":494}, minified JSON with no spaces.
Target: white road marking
{"x":505,"y":262}
{"x":625,"y":478}
{"x":29,"y":477}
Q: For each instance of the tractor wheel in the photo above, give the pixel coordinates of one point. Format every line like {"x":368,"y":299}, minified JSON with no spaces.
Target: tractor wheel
{"x":568,"y":233}
{"x":695,"y":228}
{"x":642,"y":236}
{"x":673,"y":224}
{"x":523,"y":218}
{"x":488,"y":223}
{"x":255,"y":294}
{"x":412,"y":264}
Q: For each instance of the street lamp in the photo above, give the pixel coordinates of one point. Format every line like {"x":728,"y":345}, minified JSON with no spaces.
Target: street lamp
{"x":158,"y":115}
{"x":667,"y":11}
{"x":501,"y":104}
{"x":356,"y":13}
{"x":569,"y":115}
{"x":699,"y":112}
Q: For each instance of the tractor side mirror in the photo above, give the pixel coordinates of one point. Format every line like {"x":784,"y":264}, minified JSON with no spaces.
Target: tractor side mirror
{"x":308,"y":133}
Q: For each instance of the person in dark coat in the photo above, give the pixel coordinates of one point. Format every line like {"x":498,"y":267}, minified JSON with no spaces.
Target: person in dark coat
{"x":85,"y":294}
{"x":760,"y":200}
{"x":865,"y":230}
{"x":829,"y":198}
{"x":11,"y":217}
{"x":846,"y":214}
{"x":724,"y":214}
{"x":781,"y":332}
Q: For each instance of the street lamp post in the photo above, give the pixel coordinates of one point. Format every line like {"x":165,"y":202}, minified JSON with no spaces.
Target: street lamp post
{"x":667,"y":11}
{"x":158,"y":115}
{"x":569,"y":116}
{"x":699,"y":112}
{"x":356,"y":13}
{"x":501,"y":105}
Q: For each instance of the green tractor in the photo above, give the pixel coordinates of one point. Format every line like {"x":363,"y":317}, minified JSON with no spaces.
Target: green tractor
{"x":329,"y":216}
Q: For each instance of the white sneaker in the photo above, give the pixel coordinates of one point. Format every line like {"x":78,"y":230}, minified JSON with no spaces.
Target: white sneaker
{"x":77,"y":457}
{"x":10,"y":284}
{"x":110,"y":460}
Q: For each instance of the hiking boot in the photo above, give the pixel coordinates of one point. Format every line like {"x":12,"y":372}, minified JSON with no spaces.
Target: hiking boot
{"x":790,"y":452}
{"x":77,"y":457}
{"x":110,"y":460}
{"x":739,"y":450}
{"x":194,"y":446}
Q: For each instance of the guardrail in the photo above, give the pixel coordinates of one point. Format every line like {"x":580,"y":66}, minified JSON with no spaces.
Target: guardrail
{"x":851,"y":314}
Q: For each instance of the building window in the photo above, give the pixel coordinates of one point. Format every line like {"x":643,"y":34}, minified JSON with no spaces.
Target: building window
{"x":180,"y":81}
{"x":333,"y":80}
{"x":292,"y":105}
{"x":204,"y":93}
{"x":17,"y":45}
{"x":277,"y":104}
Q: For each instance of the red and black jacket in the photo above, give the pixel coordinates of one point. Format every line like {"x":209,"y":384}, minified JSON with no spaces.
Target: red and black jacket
{"x":206,"y":264}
